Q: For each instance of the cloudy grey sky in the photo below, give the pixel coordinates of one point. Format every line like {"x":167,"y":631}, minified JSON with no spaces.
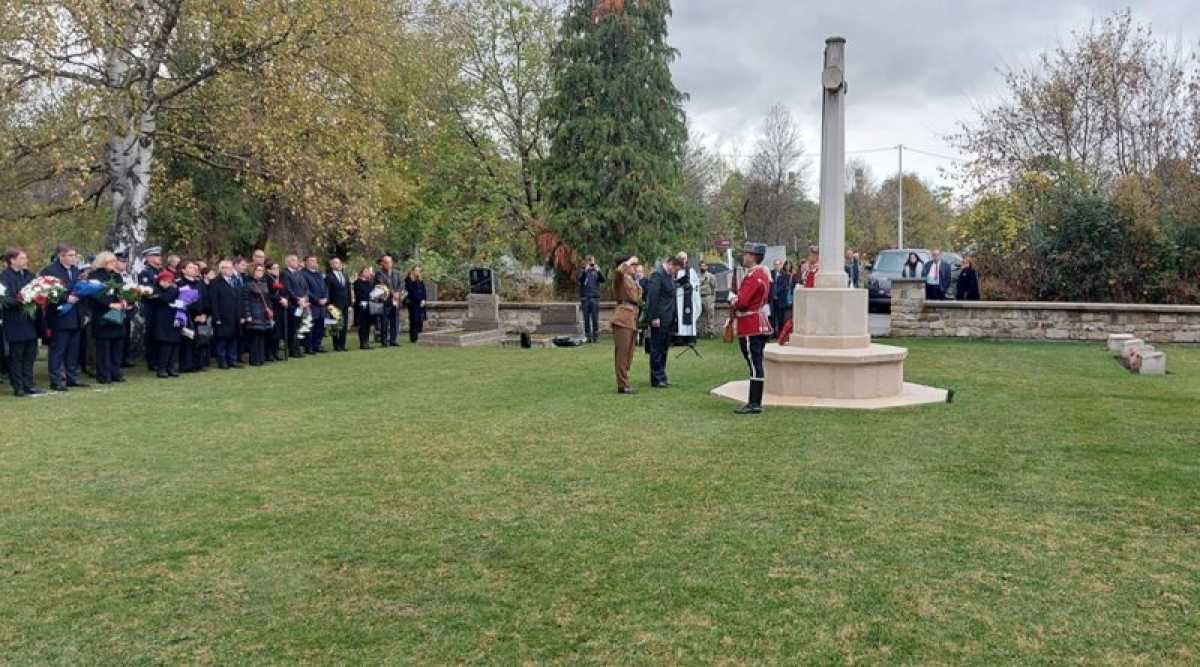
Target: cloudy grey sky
{"x":915,"y":68}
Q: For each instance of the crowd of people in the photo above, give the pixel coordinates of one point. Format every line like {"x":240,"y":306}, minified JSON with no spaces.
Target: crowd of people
{"x":243,"y":312}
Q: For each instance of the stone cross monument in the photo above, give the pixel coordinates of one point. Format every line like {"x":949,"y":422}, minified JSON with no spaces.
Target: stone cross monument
{"x":830,"y":361}
{"x":833,"y":166}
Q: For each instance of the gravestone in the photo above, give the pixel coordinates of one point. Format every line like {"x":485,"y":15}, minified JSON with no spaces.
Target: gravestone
{"x":560,"y":319}
{"x":483,"y":313}
{"x":483,"y":281}
{"x":1116,"y":341}
{"x":1153,"y":363}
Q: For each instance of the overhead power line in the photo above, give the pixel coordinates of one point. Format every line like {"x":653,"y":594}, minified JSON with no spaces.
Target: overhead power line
{"x":862,"y":151}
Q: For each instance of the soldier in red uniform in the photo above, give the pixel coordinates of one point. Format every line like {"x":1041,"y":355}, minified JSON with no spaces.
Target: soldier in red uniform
{"x":753,"y":320}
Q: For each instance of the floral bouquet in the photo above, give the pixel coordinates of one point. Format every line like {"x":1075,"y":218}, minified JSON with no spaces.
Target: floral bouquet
{"x":3,"y":296}
{"x":380,"y":293}
{"x":82,"y":289}
{"x":333,"y":316}
{"x":306,"y":324}
{"x":41,"y":292}
{"x":128,"y":290}
{"x":187,"y":297}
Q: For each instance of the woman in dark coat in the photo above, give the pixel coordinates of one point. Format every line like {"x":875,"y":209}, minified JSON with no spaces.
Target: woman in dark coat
{"x":20,"y":330}
{"x":968,"y":282}
{"x":414,"y":300}
{"x":258,"y":313}
{"x":109,"y":335}
{"x":166,"y":334}
{"x":193,"y":355}
{"x":363,"y":318}
{"x":279,"y":308}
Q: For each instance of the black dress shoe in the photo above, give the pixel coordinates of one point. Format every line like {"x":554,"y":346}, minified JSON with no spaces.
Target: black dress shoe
{"x":98,"y":381}
{"x":58,"y":387}
{"x":78,"y":385}
{"x":172,"y":374}
{"x":163,"y":374}
{"x":748,"y":410}
{"x":34,"y":391}
{"x":119,"y":378}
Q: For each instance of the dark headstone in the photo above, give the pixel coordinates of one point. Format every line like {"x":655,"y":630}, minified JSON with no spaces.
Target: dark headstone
{"x":483,"y":281}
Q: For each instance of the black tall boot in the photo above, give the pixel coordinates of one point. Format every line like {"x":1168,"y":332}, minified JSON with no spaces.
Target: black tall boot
{"x":754,"y":406}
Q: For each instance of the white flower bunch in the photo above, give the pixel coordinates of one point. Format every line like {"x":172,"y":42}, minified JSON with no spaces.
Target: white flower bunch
{"x":380,"y":293}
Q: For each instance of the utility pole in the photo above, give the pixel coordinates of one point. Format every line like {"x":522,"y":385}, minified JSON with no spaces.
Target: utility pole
{"x":900,"y":199}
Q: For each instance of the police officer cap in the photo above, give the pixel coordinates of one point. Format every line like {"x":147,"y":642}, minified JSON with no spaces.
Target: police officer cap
{"x":759,"y":249}
{"x":151,"y":251}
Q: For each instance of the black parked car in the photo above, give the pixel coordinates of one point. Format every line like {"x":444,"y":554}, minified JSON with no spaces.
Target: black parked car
{"x":888,"y":266}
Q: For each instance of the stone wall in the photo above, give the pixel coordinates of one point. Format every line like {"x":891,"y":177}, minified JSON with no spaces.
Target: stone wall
{"x":913,"y":316}
{"x":519,"y":317}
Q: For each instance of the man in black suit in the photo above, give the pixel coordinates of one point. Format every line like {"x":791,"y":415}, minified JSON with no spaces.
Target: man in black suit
{"x":338,"y":288}
{"x":225,"y":300}
{"x":65,"y":327}
{"x":148,"y":277}
{"x":660,"y":311}
{"x":295,"y":289}
{"x":318,"y":295}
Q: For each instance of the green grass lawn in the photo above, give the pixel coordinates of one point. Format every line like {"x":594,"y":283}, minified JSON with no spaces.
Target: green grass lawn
{"x":502,"y":506}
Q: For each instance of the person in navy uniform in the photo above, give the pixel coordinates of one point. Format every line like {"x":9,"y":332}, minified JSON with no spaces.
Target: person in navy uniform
{"x":147,"y":277}
{"x":225,"y":303}
{"x":295,"y":290}
{"x":751,"y":312}
{"x":337,"y":285}
{"x":20,"y":330}
{"x":318,"y":296}
{"x":65,"y":328}
{"x":109,"y":335}
{"x":660,"y":312}
{"x":122,"y":270}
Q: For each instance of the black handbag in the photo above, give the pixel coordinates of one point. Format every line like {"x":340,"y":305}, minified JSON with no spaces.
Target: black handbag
{"x":204,"y":333}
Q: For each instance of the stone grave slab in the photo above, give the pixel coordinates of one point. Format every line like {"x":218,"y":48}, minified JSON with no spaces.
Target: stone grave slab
{"x":560,"y":319}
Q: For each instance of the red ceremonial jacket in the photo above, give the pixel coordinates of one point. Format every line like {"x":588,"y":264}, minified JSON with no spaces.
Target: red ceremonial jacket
{"x":750,"y":305}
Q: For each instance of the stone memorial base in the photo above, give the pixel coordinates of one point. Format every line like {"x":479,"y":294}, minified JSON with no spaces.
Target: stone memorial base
{"x":910,"y":395}
{"x":482,"y":326}
{"x":461,"y":338}
{"x":830,"y":361}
